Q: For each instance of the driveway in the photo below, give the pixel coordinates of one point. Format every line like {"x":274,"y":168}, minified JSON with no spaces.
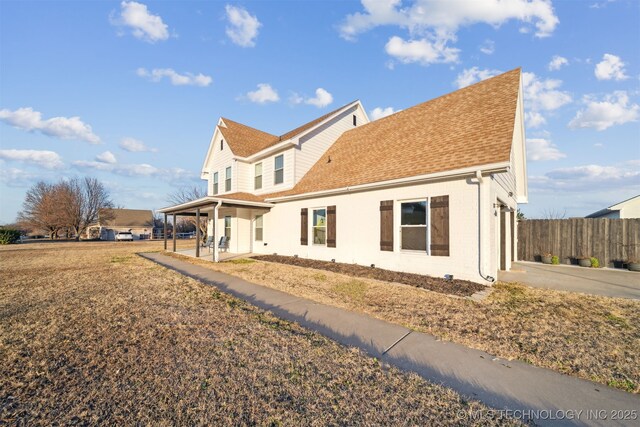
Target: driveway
{"x":597,"y":281}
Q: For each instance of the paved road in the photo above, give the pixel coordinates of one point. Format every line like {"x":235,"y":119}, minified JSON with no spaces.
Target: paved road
{"x":597,"y":281}
{"x":498,"y":383}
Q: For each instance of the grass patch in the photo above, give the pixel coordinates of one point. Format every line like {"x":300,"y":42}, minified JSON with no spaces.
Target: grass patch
{"x":146,"y":345}
{"x":353,"y":289}
{"x":241,"y":261}
{"x":590,"y":337}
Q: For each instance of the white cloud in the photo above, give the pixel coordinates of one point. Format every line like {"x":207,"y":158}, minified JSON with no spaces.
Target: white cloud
{"x":243,"y":28}
{"x":539,"y":149}
{"x":610,"y":68}
{"x":106,"y":157}
{"x":422,"y":51}
{"x":60,"y":127}
{"x":614,"y":109}
{"x":588,"y":178}
{"x":135,"y":170}
{"x":186,"y":79}
{"x":433,"y":24}
{"x":144,"y":25}
{"x":378,"y":113}
{"x":265,"y":93}
{"x":42,"y":158}
{"x":135,"y":146}
{"x":543,"y":94}
{"x":14,"y":177}
{"x":557,"y":62}
{"x":472,"y":75}
{"x":447,"y":17}
{"x":322,"y":98}
{"x":488,"y":47}
{"x":533,"y":119}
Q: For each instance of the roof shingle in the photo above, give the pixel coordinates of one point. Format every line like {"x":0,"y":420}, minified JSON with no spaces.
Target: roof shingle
{"x":469,"y":127}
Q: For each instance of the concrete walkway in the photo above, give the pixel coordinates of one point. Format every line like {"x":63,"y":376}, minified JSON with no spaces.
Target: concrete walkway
{"x":496,"y":382}
{"x":608,"y":282}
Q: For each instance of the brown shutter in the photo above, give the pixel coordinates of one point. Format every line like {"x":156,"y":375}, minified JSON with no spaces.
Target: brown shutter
{"x":304,"y":226}
{"x":331,"y":226}
{"x":439,"y":209}
{"x":386,"y":225}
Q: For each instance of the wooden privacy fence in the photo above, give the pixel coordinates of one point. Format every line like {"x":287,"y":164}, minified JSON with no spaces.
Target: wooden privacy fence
{"x":608,"y":240}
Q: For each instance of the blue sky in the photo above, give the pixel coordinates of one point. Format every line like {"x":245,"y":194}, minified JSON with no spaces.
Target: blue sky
{"x":130,"y":92}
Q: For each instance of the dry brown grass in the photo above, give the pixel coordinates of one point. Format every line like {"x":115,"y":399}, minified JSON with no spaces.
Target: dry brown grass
{"x":591,"y":337}
{"x":90,"y":333}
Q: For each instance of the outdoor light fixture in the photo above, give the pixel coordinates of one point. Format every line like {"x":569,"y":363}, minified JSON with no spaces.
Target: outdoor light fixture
{"x":448,"y":276}
{"x":373,"y":266}
{"x":333,"y":260}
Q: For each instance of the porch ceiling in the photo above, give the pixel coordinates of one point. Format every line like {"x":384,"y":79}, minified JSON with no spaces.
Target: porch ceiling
{"x":208,"y":202}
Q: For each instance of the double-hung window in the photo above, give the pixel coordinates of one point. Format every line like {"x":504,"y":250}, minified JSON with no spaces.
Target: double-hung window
{"x":257,"y":181}
{"x":227,"y":227}
{"x":215,"y":183}
{"x":413,"y":226}
{"x":259,"y":228}
{"x":227,"y":181}
{"x":279,"y":169}
{"x":319,"y":226}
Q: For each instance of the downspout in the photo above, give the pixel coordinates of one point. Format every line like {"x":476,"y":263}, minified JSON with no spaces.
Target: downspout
{"x":480,"y":182}
{"x":216,"y":256}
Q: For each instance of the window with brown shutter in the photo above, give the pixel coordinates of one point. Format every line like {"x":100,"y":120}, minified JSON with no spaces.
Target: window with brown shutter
{"x":386,"y":225}
{"x":439,"y":208}
{"x":331,"y":226}
{"x":304,"y":226}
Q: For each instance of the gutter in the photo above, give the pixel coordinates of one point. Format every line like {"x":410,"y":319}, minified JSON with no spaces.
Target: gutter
{"x":415,"y":180}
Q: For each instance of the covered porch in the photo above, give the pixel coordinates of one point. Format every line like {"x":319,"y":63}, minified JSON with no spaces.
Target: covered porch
{"x":234,"y":225}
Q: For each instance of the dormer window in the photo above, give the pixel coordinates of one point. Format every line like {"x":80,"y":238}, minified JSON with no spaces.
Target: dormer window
{"x":221,"y":144}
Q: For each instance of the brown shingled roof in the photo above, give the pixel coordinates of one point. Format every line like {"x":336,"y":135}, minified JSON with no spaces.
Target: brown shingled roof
{"x":245,"y":141}
{"x":128,"y":218}
{"x":466,"y":128}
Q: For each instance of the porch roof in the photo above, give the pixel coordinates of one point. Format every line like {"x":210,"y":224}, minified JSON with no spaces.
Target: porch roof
{"x":229,"y":200}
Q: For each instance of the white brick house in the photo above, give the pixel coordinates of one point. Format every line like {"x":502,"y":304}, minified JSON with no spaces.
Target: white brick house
{"x":432,"y":189}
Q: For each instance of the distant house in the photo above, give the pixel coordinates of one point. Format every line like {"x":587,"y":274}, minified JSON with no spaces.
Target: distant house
{"x":432,"y":189}
{"x":629,"y":208}
{"x":112,"y":221}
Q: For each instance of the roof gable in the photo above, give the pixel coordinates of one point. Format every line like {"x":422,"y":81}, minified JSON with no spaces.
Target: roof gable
{"x":470,"y":127}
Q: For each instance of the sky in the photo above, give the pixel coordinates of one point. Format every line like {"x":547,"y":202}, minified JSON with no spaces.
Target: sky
{"x":130,"y":92}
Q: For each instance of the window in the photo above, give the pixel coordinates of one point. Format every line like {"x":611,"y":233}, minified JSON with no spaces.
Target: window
{"x":355,"y":120}
{"x":257,"y":181}
{"x":259,"y":222}
{"x":221,"y":144}
{"x":319,"y":226}
{"x":215,"y":183}
{"x":227,"y":227}
{"x":413,"y":226}
{"x":227,"y":181}
{"x":279,"y":169}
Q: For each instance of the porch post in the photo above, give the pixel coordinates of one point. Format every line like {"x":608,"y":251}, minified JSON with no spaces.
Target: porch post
{"x":165,"y":232}
{"x":197,"y":232}
{"x":173,"y":235}
{"x":216,"y":255}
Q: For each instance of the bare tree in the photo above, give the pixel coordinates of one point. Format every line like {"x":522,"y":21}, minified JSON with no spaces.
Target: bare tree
{"x":187,"y":194}
{"x":84,"y":200}
{"x":40,"y":210}
{"x":554,"y":214}
{"x":72,"y":205}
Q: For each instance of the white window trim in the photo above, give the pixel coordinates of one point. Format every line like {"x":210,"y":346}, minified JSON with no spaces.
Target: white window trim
{"x":326,"y":217}
{"x":215,"y":183}
{"x":275,"y":171}
{"x":230,"y":179}
{"x":399,"y":203}
{"x":261,"y":175}
{"x":255,"y":227}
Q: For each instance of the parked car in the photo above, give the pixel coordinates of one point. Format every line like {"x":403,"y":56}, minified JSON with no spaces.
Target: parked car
{"x":124,"y":236}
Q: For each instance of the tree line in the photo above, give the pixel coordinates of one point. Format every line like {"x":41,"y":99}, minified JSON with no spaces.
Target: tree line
{"x":68,"y":206}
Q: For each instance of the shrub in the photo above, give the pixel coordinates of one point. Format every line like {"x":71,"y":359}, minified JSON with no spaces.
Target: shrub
{"x":555,"y":260}
{"x":595,"y":263}
{"x":9,"y":236}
